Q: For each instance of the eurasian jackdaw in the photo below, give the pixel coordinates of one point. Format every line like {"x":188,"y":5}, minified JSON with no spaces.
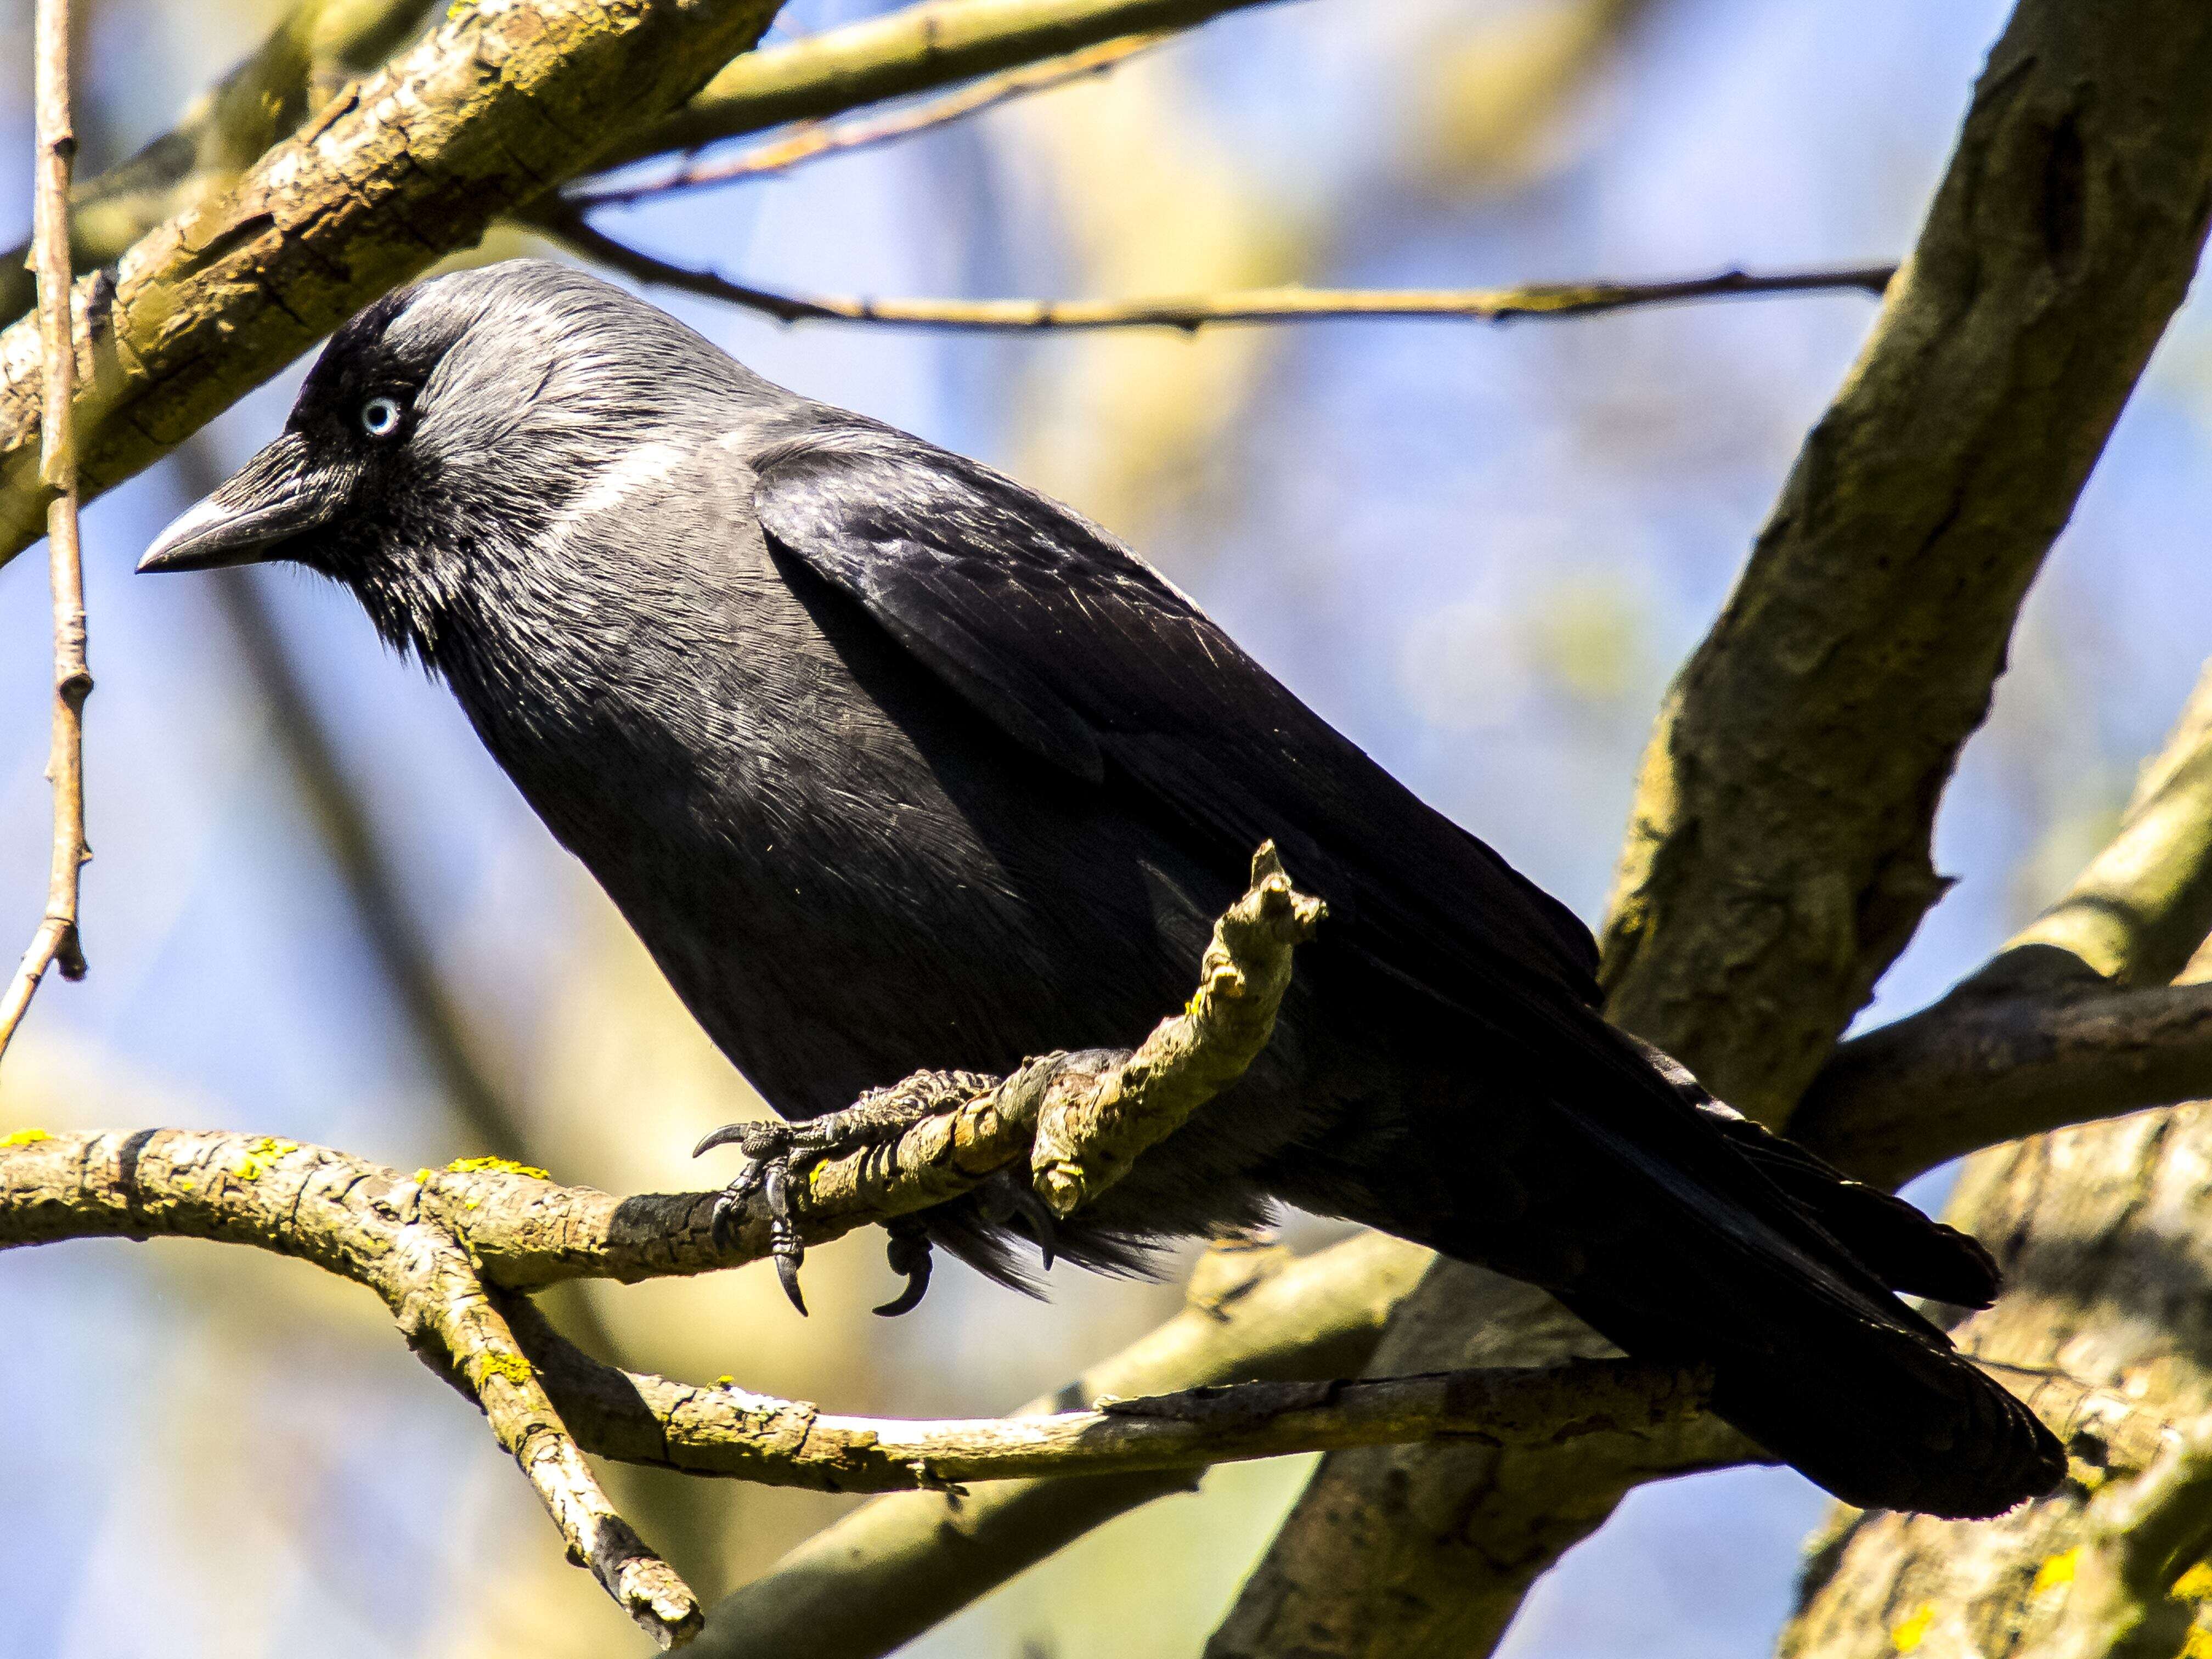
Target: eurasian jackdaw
{"x":894,"y":764}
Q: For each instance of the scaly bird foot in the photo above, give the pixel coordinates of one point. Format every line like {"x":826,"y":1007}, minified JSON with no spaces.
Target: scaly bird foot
{"x":777,"y":1153}
{"x":770,"y":1149}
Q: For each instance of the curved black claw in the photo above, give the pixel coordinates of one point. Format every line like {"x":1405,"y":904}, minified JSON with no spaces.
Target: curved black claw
{"x":908,"y":1253}
{"x":783,"y":1241}
{"x":777,"y":1153}
{"x":769,"y":1150}
{"x":1008,"y":1193}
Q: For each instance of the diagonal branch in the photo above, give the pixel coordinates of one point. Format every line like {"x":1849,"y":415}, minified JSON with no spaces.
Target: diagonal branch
{"x":442,"y":1308}
{"x":811,"y":140}
{"x":56,"y":940}
{"x":917,"y":48}
{"x":264,"y":100}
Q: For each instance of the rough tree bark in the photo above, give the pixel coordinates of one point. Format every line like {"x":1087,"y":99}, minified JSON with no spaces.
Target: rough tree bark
{"x":1778,"y":858}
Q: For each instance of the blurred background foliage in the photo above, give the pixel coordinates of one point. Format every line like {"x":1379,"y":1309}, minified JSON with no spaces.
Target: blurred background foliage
{"x":1479,"y":551}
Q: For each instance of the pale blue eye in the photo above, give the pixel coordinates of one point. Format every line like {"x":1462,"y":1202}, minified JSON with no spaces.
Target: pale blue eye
{"x":379,"y":417}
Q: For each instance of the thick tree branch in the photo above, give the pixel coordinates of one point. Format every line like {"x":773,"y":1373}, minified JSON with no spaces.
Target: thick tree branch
{"x":55,"y":939}
{"x":2072,"y":1021}
{"x":1188,"y":313}
{"x":1779,"y":859}
{"x":224,"y":131}
{"x":1982,"y":1066}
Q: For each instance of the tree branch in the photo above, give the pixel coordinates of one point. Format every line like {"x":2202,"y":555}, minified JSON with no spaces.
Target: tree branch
{"x":916,"y":49}
{"x":444,"y":1309}
{"x":811,"y":140}
{"x":727,"y":1432}
{"x":898,"y":1565}
{"x":1188,"y":313}
{"x":56,"y":938}
{"x":2072,"y":1021}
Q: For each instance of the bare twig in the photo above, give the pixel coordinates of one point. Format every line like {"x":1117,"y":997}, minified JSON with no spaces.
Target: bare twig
{"x":917,"y":48}
{"x":56,"y":940}
{"x":1190,"y":313}
{"x":811,"y":140}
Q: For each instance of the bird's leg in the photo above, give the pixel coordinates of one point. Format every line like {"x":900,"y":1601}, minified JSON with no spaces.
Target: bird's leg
{"x":777,"y":1152}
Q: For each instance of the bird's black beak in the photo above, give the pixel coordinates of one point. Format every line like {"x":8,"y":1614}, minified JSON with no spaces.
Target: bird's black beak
{"x":276,"y":495}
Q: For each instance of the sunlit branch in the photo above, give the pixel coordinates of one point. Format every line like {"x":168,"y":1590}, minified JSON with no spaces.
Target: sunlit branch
{"x":1190,"y":313}
{"x":813,"y":140}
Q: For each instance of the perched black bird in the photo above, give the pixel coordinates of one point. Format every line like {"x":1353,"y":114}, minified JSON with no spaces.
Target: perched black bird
{"x":895,"y":764}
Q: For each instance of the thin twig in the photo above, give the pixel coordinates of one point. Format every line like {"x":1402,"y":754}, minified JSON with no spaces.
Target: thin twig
{"x":813,"y":140}
{"x":1189,"y":313}
{"x":908,"y":50}
{"x":56,"y":940}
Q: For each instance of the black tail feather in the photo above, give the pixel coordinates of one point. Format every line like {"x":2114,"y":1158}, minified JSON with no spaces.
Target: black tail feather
{"x":1905,"y":1249}
{"x":1879,"y":1417}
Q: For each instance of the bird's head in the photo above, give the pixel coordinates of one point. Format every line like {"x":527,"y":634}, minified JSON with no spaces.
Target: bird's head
{"x":440,"y":434}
